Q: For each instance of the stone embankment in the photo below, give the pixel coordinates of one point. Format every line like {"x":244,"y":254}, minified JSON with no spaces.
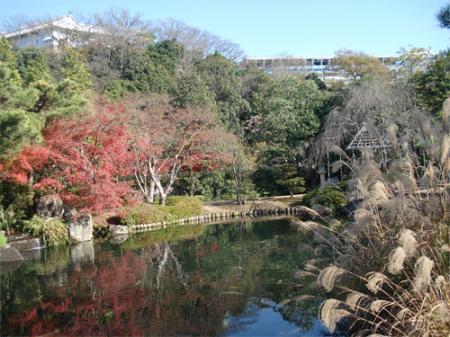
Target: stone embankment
{"x":301,"y":211}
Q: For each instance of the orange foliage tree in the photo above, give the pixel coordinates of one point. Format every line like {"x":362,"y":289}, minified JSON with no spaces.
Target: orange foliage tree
{"x":166,"y":140}
{"x":83,"y":160}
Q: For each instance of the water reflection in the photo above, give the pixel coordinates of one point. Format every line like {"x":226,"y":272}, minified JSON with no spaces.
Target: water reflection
{"x":214,"y":280}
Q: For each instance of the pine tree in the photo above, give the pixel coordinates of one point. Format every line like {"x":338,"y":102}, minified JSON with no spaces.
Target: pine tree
{"x":74,"y":69}
{"x":33,"y":66}
{"x":8,"y":59}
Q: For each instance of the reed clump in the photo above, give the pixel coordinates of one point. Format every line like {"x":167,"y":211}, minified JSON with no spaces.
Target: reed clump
{"x":398,"y":283}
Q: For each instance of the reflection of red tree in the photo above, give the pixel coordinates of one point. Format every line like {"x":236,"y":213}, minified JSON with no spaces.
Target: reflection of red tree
{"x":119,"y":298}
{"x":103,"y":300}
{"x":205,"y":251}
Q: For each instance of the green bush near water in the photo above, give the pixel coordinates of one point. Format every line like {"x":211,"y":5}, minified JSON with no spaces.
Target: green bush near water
{"x":177,"y":207}
{"x":331,"y":196}
{"x":51,"y":230}
{"x":16,"y":204}
{"x":2,"y":239}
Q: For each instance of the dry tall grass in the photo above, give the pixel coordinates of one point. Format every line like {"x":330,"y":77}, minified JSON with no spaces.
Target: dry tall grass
{"x":398,"y":280}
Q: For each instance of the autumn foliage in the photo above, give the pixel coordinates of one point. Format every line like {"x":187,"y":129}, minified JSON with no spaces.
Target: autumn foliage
{"x":92,"y":162}
{"x":83,"y":160}
{"x":166,"y":140}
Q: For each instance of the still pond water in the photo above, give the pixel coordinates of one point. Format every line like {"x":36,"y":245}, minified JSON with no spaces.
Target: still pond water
{"x":214,"y":280}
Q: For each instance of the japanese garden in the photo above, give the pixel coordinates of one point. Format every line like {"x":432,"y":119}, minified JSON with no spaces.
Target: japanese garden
{"x":155,"y":181}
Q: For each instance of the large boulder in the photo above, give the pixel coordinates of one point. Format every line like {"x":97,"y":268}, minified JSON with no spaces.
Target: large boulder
{"x":81,"y":228}
{"x":50,"y":206}
{"x":9,"y":254}
{"x":118,"y":230}
{"x":26,"y":244}
{"x":70,"y":215}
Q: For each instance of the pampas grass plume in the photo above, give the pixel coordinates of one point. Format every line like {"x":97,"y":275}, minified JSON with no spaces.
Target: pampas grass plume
{"x":396,"y":260}
{"x":422,"y":270}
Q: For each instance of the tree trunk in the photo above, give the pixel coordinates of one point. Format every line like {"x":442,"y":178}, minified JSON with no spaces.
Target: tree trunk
{"x":151,"y":192}
{"x":322,"y":172}
{"x":237,"y":181}
{"x":162,"y":198}
{"x":191,"y":182}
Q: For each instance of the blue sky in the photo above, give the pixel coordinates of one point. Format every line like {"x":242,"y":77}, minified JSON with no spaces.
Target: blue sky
{"x":281,"y":27}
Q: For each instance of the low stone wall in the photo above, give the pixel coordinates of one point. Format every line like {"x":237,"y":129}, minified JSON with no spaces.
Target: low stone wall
{"x":214,"y":217}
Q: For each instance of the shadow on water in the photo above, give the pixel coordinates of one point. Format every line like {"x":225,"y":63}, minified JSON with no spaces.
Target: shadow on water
{"x":215,"y":280}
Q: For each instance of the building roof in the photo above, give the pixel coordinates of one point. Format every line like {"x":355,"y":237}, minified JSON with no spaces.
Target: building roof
{"x":64,"y":22}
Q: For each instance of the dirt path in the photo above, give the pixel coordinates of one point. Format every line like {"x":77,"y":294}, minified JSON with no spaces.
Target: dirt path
{"x":263,"y":203}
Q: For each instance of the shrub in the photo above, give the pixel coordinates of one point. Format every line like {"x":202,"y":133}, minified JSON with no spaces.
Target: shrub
{"x":2,"y":239}
{"x":331,"y":196}
{"x":143,"y":213}
{"x":294,"y":185}
{"x":51,"y":230}
{"x":176,"y":207}
{"x":16,"y":204}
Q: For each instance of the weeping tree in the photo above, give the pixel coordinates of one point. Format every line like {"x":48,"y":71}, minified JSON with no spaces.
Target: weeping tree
{"x":382,"y":107}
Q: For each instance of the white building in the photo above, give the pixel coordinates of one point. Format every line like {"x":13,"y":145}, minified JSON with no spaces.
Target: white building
{"x":324,"y":67}
{"x":53,"y":34}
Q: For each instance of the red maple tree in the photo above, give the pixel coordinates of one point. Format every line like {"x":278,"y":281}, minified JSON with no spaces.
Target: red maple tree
{"x":83,"y":160}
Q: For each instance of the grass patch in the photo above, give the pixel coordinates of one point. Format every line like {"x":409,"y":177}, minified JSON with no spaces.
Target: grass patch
{"x":2,"y":239}
{"x":176,"y":208}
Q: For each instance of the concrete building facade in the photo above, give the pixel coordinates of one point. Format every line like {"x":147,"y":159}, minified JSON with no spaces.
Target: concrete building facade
{"x":52,"y":34}
{"x":324,"y":67}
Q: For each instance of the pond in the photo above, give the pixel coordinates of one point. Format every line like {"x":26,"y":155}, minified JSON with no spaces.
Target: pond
{"x":203,"y":280}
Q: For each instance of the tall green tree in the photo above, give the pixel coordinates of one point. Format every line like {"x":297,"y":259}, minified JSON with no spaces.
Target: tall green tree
{"x":164,"y":58}
{"x":287,"y":117}
{"x":255,"y":86}
{"x":29,"y":101}
{"x":73,"y":68}
{"x":433,"y":86}
{"x":17,"y":125}
{"x":150,"y":69}
{"x":33,"y":66}
{"x":190,"y":90}
{"x":8,"y":60}
{"x":443,"y":16}
{"x":359,"y":65}
{"x":221,"y":76}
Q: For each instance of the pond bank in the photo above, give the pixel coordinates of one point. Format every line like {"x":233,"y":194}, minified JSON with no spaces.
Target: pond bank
{"x":227,"y":215}
{"x":23,"y":244}
{"x":215,"y":212}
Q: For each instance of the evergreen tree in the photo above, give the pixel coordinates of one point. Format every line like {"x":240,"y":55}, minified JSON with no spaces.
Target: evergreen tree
{"x":8,"y":59}
{"x":33,"y":66}
{"x":74,"y":69}
{"x":433,"y":85}
{"x":221,"y":76}
{"x":17,"y":129}
{"x":443,"y":16}
{"x":164,"y":58}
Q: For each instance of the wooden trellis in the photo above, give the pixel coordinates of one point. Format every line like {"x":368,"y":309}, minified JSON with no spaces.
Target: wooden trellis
{"x":365,"y":140}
